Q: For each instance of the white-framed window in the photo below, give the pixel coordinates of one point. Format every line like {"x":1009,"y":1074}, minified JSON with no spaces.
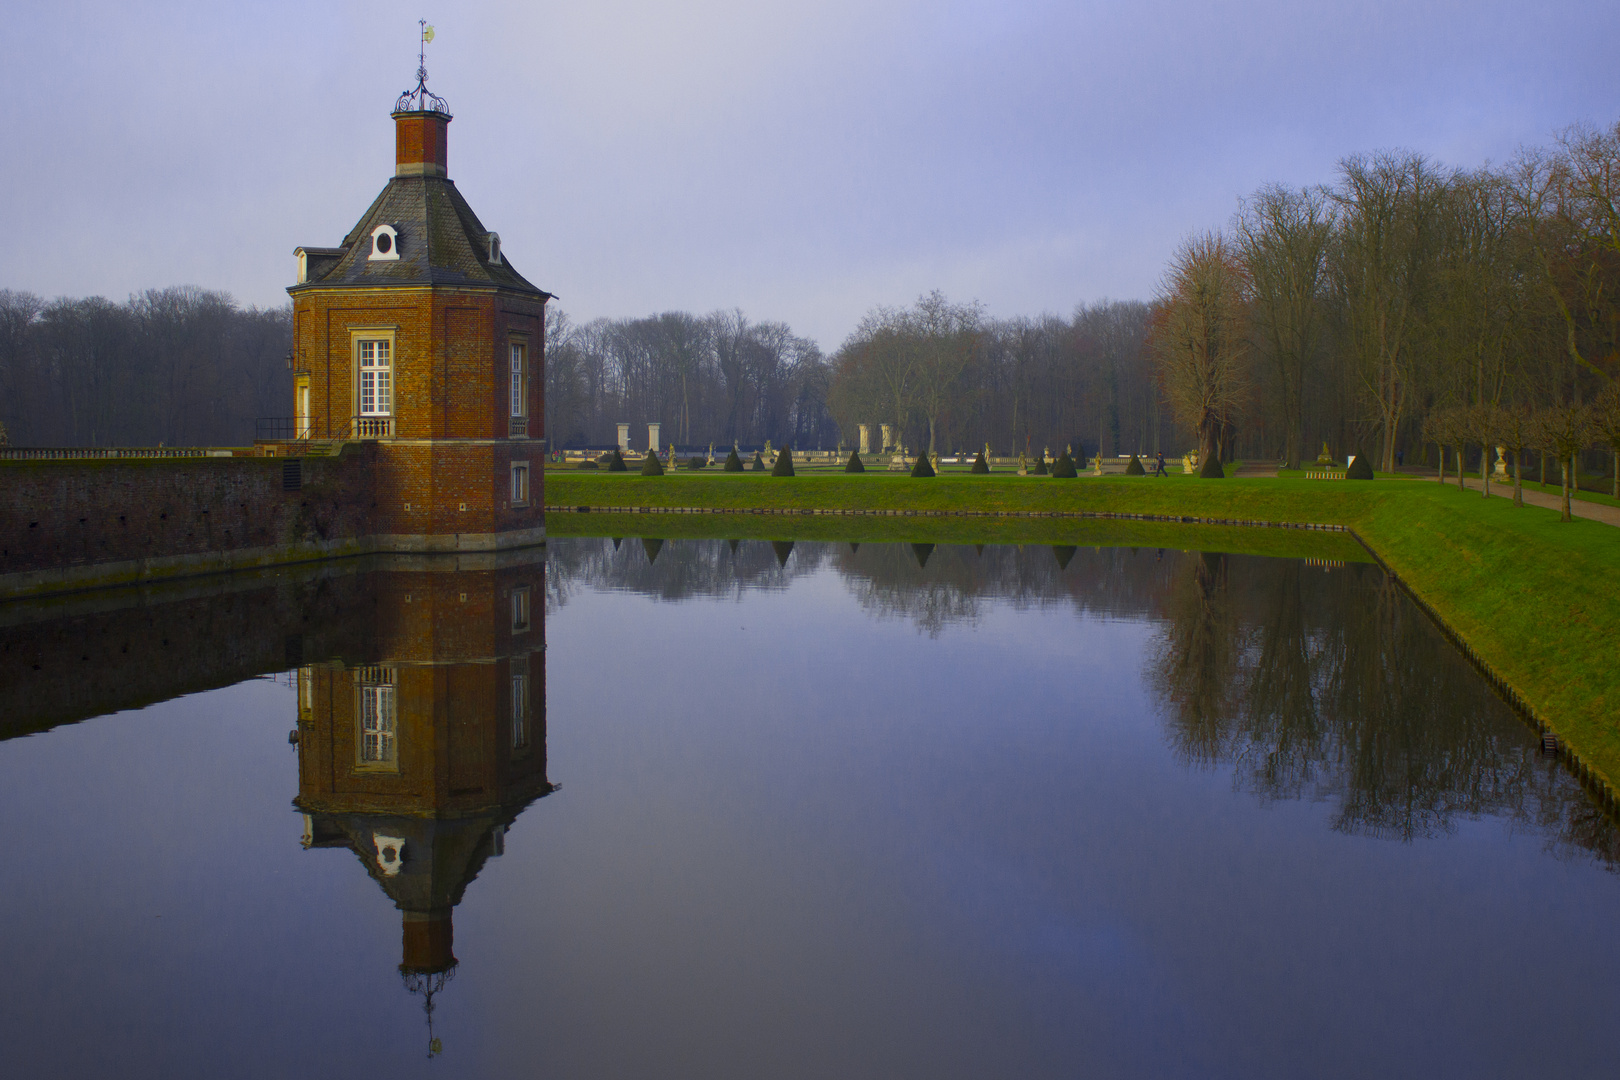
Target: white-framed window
{"x":376,"y":376}
{"x":520,"y":710}
{"x":520,"y":399}
{"x":520,"y":609}
{"x":520,"y":483}
{"x":384,"y":244}
{"x":376,"y":720}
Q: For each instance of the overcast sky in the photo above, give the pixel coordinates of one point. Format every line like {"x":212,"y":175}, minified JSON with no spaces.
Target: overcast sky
{"x":802,"y":161}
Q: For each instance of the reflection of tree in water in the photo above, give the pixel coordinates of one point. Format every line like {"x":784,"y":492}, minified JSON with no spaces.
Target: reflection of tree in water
{"x":672,"y":569}
{"x":931,"y":585}
{"x":1334,"y":686}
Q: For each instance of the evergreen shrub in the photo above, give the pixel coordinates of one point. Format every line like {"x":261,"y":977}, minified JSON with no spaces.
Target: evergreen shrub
{"x":854,"y":464}
{"x":980,"y":464}
{"x":784,"y":463}
{"x":617,"y":464}
{"x":651,"y":467}
{"x":697,"y":462}
{"x":759,"y":462}
{"x":588,"y":463}
{"x":1360,"y":469}
{"x":1040,"y":468}
{"x":733,"y":462}
{"x":1064,"y":468}
{"x":1135,"y":467}
{"x":924,"y":467}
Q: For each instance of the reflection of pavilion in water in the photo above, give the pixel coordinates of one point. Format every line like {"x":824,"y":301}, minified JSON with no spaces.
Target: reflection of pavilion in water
{"x":419,"y":757}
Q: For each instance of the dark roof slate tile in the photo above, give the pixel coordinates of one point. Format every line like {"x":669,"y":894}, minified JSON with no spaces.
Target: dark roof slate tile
{"x":440,"y":242}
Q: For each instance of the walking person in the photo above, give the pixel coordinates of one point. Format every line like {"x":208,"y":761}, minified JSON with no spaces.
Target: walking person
{"x":1158,"y":466}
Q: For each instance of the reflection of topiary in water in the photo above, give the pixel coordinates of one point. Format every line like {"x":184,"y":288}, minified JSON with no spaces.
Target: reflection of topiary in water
{"x":733,"y":462}
{"x":1064,"y":468}
{"x":1064,"y":552}
{"x":1040,"y":468}
{"x":617,"y":464}
{"x":650,"y":466}
{"x":854,"y":464}
{"x":1360,"y":469}
{"x":1135,"y":467}
{"x":922,"y":551}
{"x":924,"y":467}
{"x":759,"y":462}
{"x":1210,"y":468}
{"x":783,"y":549}
{"x":980,"y":465}
{"x":784,"y":463}
{"x":652,"y":548}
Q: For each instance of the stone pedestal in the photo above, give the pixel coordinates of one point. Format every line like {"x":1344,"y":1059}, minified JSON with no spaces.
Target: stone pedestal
{"x":652,"y":438}
{"x":866,"y":440}
{"x":624,"y":438}
{"x":888,"y":438}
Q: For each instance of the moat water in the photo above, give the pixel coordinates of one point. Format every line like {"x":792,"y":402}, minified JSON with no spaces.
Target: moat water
{"x":698,"y":808}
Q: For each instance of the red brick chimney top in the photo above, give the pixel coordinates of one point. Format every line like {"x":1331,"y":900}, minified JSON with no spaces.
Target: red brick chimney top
{"x":419,"y":143}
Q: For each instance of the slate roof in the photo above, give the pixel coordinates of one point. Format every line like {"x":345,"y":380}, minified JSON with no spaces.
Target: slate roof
{"x":441,"y":242}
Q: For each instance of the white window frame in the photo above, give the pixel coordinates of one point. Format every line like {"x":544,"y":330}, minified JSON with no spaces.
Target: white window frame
{"x":520,"y":706}
{"x":359,"y":336}
{"x":522,"y":614}
{"x":519,"y":488}
{"x":518,"y":370}
{"x":377,"y":253}
{"x":376,"y":720}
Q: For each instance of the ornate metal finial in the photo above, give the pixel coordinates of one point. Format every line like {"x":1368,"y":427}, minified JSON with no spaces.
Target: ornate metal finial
{"x":420,"y":98}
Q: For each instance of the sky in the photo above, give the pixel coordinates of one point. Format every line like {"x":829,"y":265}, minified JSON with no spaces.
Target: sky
{"x":803,"y":162}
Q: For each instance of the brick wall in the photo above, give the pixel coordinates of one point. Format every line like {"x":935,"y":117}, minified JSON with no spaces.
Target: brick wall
{"x":57,"y":514}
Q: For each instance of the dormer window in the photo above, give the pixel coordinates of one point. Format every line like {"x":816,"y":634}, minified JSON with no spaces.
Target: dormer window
{"x":384,"y":243}
{"x":495,"y":248}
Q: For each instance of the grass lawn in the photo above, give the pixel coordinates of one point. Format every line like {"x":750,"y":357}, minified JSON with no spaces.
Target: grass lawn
{"x":1537,"y":599}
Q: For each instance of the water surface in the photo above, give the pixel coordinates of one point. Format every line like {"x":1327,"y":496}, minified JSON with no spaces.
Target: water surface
{"x":699,"y":808}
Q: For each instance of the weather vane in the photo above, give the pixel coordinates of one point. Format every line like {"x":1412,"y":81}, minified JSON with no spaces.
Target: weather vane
{"x":420,"y":98}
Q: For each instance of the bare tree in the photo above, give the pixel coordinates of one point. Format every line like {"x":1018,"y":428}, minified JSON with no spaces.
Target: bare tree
{"x":1283,"y":235}
{"x":1200,"y":339}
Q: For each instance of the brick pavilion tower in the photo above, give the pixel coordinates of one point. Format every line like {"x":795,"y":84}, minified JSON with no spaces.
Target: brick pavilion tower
{"x":417,"y":334}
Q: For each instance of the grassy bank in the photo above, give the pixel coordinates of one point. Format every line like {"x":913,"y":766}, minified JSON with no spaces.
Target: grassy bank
{"x":1538,"y":600}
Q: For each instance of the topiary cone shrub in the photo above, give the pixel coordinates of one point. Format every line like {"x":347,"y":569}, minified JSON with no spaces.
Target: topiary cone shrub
{"x":1360,"y":469}
{"x":617,"y":464}
{"x":733,"y":462}
{"x":589,"y":463}
{"x":1210,"y":468}
{"x":759,"y":462}
{"x":854,"y":464}
{"x":784,"y":463}
{"x":924,"y":467}
{"x":1135,"y":467}
{"x":980,"y":464}
{"x":650,"y":465}
{"x":1040,"y":468}
{"x":1064,"y":468}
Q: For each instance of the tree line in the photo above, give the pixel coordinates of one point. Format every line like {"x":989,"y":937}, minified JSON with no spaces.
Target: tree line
{"x":182,"y":366}
{"x":1404,"y":309}
{"x":719,"y":378}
